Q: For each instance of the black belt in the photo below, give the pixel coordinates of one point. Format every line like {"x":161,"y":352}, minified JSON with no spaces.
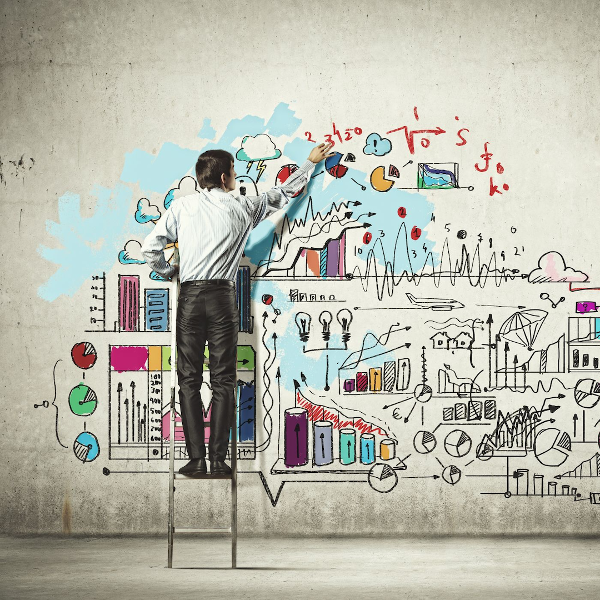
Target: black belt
{"x":208,"y":282}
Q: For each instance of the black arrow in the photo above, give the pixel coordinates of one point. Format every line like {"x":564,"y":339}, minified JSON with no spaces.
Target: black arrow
{"x":119,"y":390}
{"x":575,"y":419}
{"x":506,"y":349}
{"x":349,"y":445}
{"x":326,"y":388}
{"x":132,"y":385}
{"x":322,"y":436}
{"x":489,"y":323}
{"x":303,"y":377}
{"x":126,"y":403}
{"x":403,"y":372}
{"x":410,"y":413}
{"x":515,"y":362}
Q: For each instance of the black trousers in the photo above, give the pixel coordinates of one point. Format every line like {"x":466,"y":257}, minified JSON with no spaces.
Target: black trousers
{"x":207,"y":312}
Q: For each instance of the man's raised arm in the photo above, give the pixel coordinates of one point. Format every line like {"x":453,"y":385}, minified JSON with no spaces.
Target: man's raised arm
{"x":277,"y":197}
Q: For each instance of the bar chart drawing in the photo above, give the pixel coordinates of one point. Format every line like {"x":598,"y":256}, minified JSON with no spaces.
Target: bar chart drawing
{"x":321,"y":439}
{"x":584,"y":343}
{"x":138,"y":403}
{"x":311,"y":247}
{"x":587,"y":468}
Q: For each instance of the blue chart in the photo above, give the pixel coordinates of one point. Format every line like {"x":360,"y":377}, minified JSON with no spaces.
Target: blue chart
{"x":440,"y":176}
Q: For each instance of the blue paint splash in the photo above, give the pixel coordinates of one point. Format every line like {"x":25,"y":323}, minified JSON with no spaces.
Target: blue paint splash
{"x":207,"y":131}
{"x":89,"y":245}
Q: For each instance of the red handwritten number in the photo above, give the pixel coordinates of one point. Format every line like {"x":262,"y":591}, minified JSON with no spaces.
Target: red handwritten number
{"x":329,"y":139}
{"x":367,"y":237}
{"x":308,"y":135}
{"x":357,"y":130}
{"x":402,"y":212}
{"x":348,"y":136}
{"x":415,"y":233}
{"x":336,"y":132}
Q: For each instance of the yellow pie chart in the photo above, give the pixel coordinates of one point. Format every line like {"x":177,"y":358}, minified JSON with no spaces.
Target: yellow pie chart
{"x":378,"y":180}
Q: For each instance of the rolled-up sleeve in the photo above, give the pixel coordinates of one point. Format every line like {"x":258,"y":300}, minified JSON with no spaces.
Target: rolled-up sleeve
{"x":277,"y":197}
{"x":164,"y":232}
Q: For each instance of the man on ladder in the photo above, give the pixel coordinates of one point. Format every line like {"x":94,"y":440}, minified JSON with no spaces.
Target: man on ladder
{"x":212,"y":227}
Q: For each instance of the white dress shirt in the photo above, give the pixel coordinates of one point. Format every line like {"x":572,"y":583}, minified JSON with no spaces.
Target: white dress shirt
{"x":212,"y":228}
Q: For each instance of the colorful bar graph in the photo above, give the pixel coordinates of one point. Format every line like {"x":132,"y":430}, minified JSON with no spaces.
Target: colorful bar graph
{"x":156,"y":308}
{"x":362,"y":382}
{"x":296,"y":437}
{"x":387,"y":449}
{"x":323,"y":443}
{"x":349,"y":385}
{"x":323,"y":262}
{"x":375,"y":380}
{"x":367,"y":448}
{"x":347,"y":446}
{"x":333,"y":253}
{"x":129,"y":303}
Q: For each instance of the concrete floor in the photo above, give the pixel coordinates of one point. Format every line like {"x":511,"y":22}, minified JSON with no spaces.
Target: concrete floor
{"x":441,"y":568}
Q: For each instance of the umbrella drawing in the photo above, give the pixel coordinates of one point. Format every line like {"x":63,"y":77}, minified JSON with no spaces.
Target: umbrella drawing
{"x":523,"y":327}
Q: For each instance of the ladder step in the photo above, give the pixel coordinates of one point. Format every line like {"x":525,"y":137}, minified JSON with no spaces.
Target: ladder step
{"x":196,"y":530}
{"x":180,"y":477}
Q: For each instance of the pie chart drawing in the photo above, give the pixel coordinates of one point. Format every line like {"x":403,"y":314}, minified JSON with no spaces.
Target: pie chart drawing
{"x":587,"y":393}
{"x":382,"y":478}
{"x":457,"y":443}
{"x":378,"y":180}
{"x":86,"y":447}
{"x":451,"y":474}
{"x":333,"y":166}
{"x":552,"y":447}
{"x":83,"y":400}
{"x":84,"y":355}
{"x":423,"y":393}
{"x":424,"y":442}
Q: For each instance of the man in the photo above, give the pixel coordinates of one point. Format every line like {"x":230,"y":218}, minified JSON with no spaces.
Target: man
{"x":212,"y":227}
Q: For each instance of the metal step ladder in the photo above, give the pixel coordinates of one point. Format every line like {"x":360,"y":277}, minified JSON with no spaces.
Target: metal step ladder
{"x":232,"y":530}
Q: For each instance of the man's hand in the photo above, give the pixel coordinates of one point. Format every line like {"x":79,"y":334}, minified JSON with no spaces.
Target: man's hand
{"x":318,"y":153}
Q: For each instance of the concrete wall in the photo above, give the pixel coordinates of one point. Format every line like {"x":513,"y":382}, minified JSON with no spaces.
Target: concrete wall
{"x":106,"y":104}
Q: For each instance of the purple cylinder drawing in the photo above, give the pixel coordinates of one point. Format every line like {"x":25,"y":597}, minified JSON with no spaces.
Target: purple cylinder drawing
{"x":296,"y":437}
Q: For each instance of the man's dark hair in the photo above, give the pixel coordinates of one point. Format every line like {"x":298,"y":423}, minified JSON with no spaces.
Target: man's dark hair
{"x":209,"y":167}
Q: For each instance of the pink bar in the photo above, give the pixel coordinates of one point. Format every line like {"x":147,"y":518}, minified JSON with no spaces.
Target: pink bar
{"x":341,"y":266}
{"x":129,"y":302}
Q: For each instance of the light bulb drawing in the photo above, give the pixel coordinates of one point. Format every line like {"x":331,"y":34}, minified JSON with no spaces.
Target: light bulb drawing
{"x":325,"y":319}
{"x":344,"y":318}
{"x":303,"y":321}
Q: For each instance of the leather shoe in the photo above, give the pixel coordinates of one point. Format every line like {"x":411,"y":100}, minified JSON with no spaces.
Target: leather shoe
{"x":219,"y":467}
{"x":196,"y":466}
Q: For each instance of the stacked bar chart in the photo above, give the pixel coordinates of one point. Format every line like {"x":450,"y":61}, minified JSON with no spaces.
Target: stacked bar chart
{"x":138,"y":403}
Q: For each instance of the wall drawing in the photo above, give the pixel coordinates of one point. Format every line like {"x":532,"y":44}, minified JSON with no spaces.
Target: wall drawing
{"x":377,"y":343}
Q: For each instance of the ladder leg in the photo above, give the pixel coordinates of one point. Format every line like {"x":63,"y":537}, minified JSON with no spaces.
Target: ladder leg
{"x":171,"y":524}
{"x":234,"y":434}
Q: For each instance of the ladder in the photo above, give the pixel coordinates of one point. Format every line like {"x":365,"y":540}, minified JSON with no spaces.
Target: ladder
{"x":232,"y":530}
